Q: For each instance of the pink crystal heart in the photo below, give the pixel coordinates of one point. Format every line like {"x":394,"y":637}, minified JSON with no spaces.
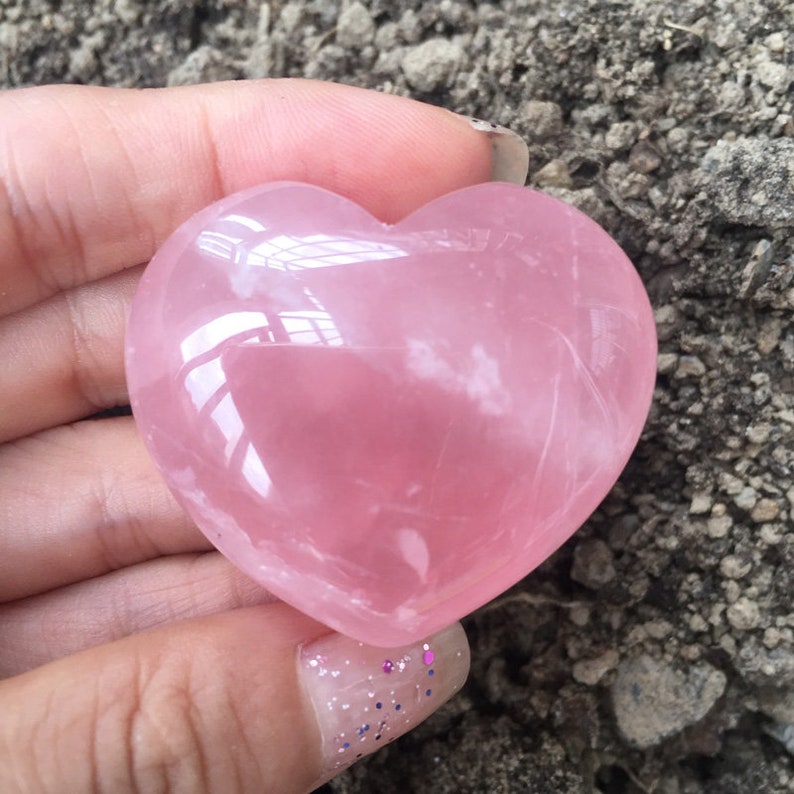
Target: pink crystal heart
{"x":386,"y":426}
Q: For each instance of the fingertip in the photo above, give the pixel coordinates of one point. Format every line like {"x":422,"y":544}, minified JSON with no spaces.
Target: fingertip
{"x":97,"y":178}
{"x":509,"y":152}
{"x":209,"y":704}
{"x":389,"y":154}
{"x":364,"y":697}
{"x":256,"y":699}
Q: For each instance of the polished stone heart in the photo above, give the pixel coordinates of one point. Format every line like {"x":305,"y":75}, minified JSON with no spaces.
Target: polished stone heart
{"x":386,"y":426}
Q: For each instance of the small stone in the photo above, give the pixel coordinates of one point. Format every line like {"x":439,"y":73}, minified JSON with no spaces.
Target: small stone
{"x":746,"y":498}
{"x":735,"y":567}
{"x":593,"y":564}
{"x":757,"y":268}
{"x":644,"y":157}
{"x":290,"y":17}
{"x":579,"y":615}
{"x":772,"y":637}
{"x":621,"y":135}
{"x":758,"y":434}
{"x":542,"y":119}
{"x":658,"y":629}
{"x":728,"y":644}
{"x":719,"y":526}
{"x":701,"y":503}
{"x":554,"y":174}
{"x":751,"y":181}
{"x":763,"y":666}
{"x":585,"y":199}
{"x":732,"y":591}
{"x":387,"y":38}
{"x":698,"y":624}
{"x":770,"y":534}
{"x":777,"y":43}
{"x":730,"y":483}
{"x":769,"y":335}
{"x":129,"y":11}
{"x":83,"y":63}
{"x":430,"y":66}
{"x":591,"y":671}
{"x":666,"y":363}
{"x":774,"y":75}
{"x":355,"y":28}
{"x":691,"y":653}
{"x":765,"y":510}
{"x":778,"y":704}
{"x":730,"y":96}
{"x":205,"y":64}
{"x":410,"y":26}
{"x":678,"y":140}
{"x":690,"y":367}
{"x":743,"y":614}
{"x":653,"y":701}
{"x":627,"y":183}
{"x":668,"y":321}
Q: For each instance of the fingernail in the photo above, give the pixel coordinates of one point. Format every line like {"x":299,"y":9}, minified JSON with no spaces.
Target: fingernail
{"x":366,"y":697}
{"x":509,"y":152}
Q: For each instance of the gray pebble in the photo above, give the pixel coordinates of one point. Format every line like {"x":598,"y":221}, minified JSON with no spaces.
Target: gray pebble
{"x":355,"y":27}
{"x":432,"y":64}
{"x":621,"y":135}
{"x":752,"y":181}
{"x":593,"y":564}
{"x":653,"y":701}
{"x":542,"y":119}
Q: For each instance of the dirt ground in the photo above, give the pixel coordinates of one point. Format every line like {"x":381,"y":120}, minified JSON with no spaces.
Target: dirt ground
{"x":655,"y":651}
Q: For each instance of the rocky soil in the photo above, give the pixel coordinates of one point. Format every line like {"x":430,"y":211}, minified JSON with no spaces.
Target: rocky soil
{"x":655,"y":651}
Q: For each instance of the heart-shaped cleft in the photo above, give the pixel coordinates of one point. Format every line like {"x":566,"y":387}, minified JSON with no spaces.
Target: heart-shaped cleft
{"x":387,"y":426}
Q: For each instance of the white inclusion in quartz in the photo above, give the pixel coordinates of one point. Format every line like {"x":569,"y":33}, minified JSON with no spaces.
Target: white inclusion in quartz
{"x":484,"y":385}
{"x":414,"y":551}
{"x":605,"y":344}
{"x":479,"y":378}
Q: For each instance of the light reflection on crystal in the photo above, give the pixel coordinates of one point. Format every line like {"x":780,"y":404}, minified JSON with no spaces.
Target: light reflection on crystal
{"x":220,"y":329}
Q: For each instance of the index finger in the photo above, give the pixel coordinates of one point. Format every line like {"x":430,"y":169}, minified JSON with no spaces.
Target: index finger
{"x":92,"y":180}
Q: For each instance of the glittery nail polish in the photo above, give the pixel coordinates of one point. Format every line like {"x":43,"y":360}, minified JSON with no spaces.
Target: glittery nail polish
{"x":365,"y":697}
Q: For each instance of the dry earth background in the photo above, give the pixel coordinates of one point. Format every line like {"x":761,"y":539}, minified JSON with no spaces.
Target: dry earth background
{"x":655,"y":651}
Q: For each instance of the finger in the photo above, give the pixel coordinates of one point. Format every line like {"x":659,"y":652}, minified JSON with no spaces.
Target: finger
{"x":79,"y":501}
{"x":63,"y":359}
{"x":43,"y":628}
{"x":92,"y":180}
{"x":257,"y":699}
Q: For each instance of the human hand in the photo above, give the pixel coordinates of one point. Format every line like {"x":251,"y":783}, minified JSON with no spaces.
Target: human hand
{"x":135,"y":658}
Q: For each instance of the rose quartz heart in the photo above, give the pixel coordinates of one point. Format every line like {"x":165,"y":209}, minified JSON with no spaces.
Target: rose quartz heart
{"x":386,"y":426}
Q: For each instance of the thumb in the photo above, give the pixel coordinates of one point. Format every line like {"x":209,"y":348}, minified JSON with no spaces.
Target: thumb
{"x":259,"y":699}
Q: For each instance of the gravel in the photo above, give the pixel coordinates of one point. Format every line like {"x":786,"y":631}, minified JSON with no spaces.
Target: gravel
{"x":647,"y":655}
{"x":653,"y":701}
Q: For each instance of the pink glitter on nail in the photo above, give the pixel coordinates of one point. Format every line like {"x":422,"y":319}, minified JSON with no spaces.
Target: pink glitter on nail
{"x":428,"y":657}
{"x":387,"y":666}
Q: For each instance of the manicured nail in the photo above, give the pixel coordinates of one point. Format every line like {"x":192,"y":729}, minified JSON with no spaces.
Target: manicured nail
{"x":509,"y":152}
{"x":366,"y":697}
